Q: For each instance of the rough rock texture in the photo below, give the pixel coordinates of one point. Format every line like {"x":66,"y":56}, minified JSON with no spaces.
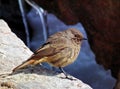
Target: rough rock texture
{"x":12,"y":53}
{"x":11,"y":49}
{"x":101,"y":20}
{"x":40,"y":78}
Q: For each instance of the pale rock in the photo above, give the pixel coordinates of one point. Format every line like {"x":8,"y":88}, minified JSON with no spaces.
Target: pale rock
{"x":12,"y":50}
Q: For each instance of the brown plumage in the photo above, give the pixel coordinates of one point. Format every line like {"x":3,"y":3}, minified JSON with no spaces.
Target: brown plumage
{"x":60,"y":50}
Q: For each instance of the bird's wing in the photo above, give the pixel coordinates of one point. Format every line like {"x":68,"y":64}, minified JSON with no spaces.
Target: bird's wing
{"x":50,"y":48}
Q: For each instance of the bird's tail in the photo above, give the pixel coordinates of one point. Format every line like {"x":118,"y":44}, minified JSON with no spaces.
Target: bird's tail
{"x":29,"y":62}
{"x":23,"y":65}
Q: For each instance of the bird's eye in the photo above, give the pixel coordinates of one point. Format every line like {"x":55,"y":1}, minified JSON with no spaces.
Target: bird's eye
{"x":76,"y":35}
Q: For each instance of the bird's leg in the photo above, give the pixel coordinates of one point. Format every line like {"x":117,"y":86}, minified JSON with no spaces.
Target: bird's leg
{"x":61,"y":69}
{"x":66,"y":75}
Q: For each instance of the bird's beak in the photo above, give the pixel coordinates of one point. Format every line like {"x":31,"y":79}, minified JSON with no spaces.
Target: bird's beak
{"x":84,"y":39}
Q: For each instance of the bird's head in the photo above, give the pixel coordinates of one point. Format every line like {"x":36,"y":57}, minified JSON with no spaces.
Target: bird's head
{"x":75,"y":35}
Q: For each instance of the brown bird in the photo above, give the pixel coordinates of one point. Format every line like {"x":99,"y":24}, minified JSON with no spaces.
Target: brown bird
{"x":60,"y":50}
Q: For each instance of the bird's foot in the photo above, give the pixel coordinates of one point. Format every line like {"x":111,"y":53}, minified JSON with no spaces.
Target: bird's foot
{"x":66,"y":75}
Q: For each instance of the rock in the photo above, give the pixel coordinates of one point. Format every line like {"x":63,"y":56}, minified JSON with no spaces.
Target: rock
{"x":12,"y":53}
{"x":11,"y":49}
{"x":40,"y":78}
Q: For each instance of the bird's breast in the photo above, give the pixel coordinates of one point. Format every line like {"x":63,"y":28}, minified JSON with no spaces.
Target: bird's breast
{"x":64,"y":57}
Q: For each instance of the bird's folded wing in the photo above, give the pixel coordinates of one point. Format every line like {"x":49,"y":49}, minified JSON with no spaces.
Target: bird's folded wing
{"x":50,"y":48}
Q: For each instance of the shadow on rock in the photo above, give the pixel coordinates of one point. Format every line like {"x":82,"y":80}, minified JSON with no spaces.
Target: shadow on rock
{"x":38,"y":69}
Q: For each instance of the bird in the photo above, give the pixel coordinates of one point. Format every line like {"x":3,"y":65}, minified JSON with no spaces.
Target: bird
{"x":60,"y":50}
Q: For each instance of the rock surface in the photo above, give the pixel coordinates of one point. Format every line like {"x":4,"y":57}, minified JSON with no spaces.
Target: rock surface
{"x":12,"y":53}
{"x":39,"y":78}
{"x":11,"y":49}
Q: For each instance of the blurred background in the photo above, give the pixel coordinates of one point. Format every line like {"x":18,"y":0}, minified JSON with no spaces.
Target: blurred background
{"x":34,"y":25}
